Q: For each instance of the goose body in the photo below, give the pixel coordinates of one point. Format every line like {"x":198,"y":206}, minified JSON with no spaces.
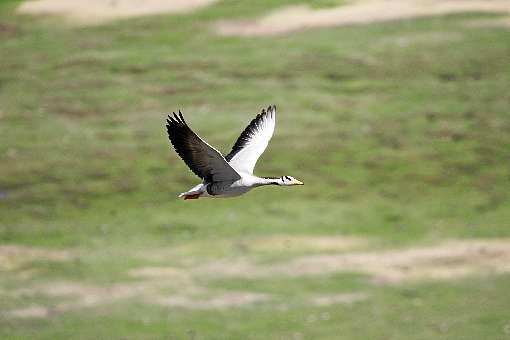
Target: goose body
{"x":231,"y":175}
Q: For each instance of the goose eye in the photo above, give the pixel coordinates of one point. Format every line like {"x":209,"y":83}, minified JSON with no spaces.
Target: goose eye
{"x":287,"y":177}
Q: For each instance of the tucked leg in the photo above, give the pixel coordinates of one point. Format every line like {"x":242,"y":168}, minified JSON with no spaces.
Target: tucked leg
{"x":192,"y":197}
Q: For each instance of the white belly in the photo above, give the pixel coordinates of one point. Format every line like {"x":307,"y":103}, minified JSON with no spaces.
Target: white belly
{"x":229,"y":189}
{"x":234,"y":191}
{"x":223,"y":189}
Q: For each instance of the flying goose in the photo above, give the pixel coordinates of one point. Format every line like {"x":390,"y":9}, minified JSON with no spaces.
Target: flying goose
{"x":231,"y":175}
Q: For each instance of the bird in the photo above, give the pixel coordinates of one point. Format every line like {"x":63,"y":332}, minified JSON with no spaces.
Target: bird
{"x":230,"y":175}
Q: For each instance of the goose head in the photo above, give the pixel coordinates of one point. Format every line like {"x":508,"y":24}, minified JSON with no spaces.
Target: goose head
{"x":289,"y":180}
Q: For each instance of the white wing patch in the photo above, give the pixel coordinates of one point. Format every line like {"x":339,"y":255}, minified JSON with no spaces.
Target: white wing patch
{"x":253,"y":141}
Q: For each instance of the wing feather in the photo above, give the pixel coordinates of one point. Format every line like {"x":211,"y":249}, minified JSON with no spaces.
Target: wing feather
{"x":204,"y":160}
{"x":253,"y":141}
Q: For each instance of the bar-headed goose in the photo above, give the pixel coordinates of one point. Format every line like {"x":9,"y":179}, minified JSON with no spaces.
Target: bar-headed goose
{"x":231,"y":175}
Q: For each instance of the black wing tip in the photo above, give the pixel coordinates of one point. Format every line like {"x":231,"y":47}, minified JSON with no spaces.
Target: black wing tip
{"x":271,"y":110}
{"x":175,"y":119}
{"x":182,"y":118}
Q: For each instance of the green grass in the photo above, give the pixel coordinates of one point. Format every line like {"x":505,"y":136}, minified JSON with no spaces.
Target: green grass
{"x":399,"y":130}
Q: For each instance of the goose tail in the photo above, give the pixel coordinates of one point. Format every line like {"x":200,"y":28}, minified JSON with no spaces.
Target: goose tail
{"x":194,"y":193}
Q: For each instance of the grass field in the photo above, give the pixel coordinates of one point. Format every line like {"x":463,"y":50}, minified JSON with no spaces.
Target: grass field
{"x":399,"y":130}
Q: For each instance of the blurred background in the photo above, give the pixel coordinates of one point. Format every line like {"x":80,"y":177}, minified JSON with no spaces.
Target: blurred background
{"x":394,"y":113}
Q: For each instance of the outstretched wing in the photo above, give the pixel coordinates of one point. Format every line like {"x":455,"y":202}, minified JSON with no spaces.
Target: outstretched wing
{"x":253,"y":141}
{"x":204,"y":160}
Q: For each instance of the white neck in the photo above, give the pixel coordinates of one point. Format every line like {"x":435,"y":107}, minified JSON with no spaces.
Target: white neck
{"x":259,"y":181}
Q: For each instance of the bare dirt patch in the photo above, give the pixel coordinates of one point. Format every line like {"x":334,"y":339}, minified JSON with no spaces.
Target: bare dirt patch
{"x":335,"y":299}
{"x":97,"y":11}
{"x":497,"y":22}
{"x":359,"y":12}
{"x":33,"y":311}
{"x":445,"y":261}
{"x":14,"y":256}
{"x":220,"y":301}
{"x":186,"y":286}
{"x":158,"y":272}
{"x":74,"y":295}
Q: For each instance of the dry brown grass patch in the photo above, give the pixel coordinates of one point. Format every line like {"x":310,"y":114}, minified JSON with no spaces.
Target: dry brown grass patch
{"x":184,"y":286}
{"x":14,"y":256}
{"x":495,"y":22}
{"x":97,"y":11}
{"x":334,"y":299}
{"x":445,"y":261}
{"x":219,"y":301}
{"x":301,"y":17}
